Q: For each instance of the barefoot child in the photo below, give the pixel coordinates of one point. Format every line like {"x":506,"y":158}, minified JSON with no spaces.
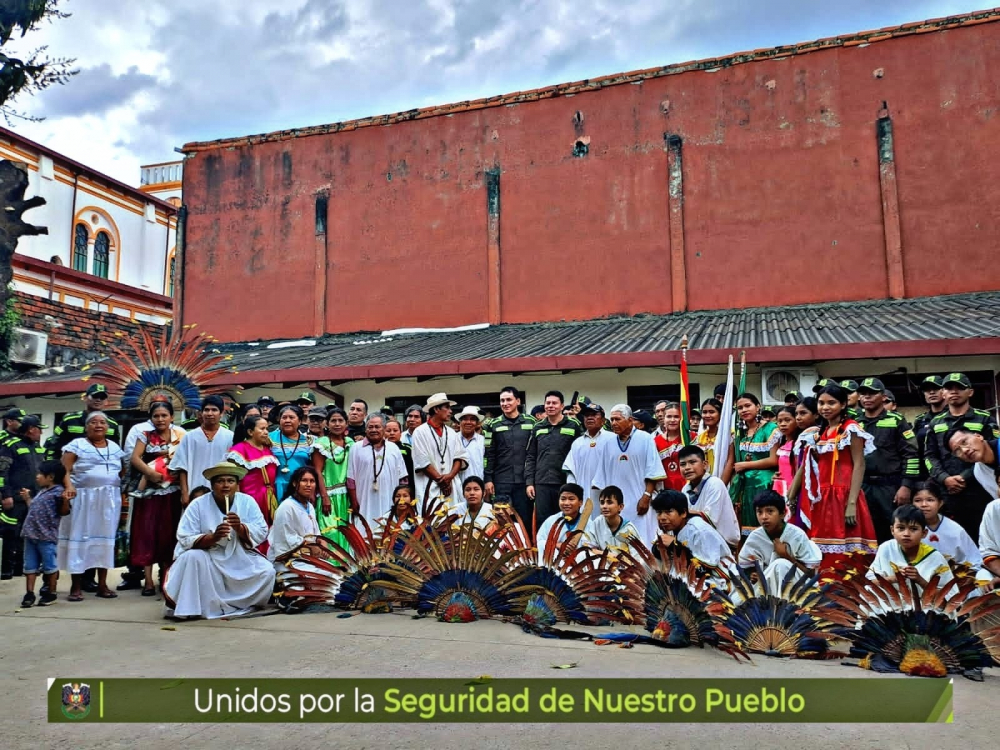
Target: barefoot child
{"x":908,"y":553}
{"x":41,"y":532}
{"x":943,"y":534}
{"x":609,"y":530}
{"x":778,"y":546}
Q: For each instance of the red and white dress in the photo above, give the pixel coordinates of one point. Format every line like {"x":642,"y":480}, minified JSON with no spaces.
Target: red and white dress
{"x":828,"y":471}
{"x":668,"y":450}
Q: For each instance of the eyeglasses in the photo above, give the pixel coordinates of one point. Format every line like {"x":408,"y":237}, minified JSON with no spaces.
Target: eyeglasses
{"x":99,"y":396}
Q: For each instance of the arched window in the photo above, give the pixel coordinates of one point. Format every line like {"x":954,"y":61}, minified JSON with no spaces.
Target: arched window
{"x":102,"y":249}
{"x":80,"y":239}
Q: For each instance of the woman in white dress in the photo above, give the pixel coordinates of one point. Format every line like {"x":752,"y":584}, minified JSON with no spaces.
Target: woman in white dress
{"x":93,"y":483}
{"x":217,"y":572}
{"x":296,"y":519}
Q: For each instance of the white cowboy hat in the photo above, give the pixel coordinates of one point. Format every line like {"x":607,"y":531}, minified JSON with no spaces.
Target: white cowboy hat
{"x":468,"y":411}
{"x":438,"y":399}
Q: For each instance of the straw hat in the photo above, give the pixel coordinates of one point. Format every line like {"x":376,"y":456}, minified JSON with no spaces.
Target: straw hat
{"x":468,"y":411}
{"x":224,"y":469}
{"x":438,"y":399}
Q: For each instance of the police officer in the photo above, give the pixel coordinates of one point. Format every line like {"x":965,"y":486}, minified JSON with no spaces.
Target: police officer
{"x":966,"y":499}
{"x":11,"y":422}
{"x":932,"y":388}
{"x":551,"y":439}
{"x":506,"y":449}
{"x":853,"y":398}
{"x":20,"y":455}
{"x":893,"y":469}
{"x":72,"y":425}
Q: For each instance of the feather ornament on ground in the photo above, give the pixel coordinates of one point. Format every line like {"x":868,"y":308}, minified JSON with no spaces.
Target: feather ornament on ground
{"x":320,"y":571}
{"x":460,"y":575}
{"x":895,"y":627}
{"x":680,"y":606}
{"x":790,"y":622}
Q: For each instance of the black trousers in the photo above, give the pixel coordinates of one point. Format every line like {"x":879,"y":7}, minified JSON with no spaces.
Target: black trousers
{"x":546,"y":502}
{"x":12,"y":561}
{"x":881,"y":504}
{"x":517,"y":496}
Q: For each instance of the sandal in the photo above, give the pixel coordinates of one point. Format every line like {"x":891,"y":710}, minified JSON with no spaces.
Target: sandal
{"x":151,"y":591}
{"x":107,"y":594}
{"x":75,"y":597}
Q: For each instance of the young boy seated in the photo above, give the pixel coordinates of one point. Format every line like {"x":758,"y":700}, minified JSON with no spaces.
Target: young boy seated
{"x":609,"y":530}
{"x":776,"y":545}
{"x":908,"y":553}
{"x":41,"y":532}
{"x":943,"y":534}
{"x":707,"y":494}
{"x":681,"y":526}
{"x":570,"y":502}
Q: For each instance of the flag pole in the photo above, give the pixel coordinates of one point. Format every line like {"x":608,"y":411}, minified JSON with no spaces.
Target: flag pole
{"x":685,"y":390}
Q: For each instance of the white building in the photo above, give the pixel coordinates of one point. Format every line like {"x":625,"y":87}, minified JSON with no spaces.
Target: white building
{"x":98,"y":229}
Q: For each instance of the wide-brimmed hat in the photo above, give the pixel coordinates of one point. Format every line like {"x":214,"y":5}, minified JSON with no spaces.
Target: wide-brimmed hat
{"x":224,"y":469}
{"x":438,"y":399}
{"x":468,"y":411}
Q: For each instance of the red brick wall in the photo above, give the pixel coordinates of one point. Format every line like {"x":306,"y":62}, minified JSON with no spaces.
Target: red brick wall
{"x":780,"y":197}
{"x":75,"y":335}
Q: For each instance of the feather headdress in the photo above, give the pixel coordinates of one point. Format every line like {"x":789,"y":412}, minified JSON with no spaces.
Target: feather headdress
{"x":143,"y":368}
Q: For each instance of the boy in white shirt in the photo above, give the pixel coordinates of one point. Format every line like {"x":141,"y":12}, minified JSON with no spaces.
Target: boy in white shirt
{"x":705,"y":544}
{"x":609,"y":530}
{"x":778,"y":546}
{"x":707,"y":494}
{"x":908,"y":553}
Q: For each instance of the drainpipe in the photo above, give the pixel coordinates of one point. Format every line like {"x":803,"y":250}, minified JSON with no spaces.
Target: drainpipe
{"x":72,"y":223}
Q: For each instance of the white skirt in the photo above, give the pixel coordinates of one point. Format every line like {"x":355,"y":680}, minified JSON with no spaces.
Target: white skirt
{"x":87,"y":534}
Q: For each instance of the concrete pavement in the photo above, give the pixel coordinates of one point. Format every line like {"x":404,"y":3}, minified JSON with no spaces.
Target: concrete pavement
{"x":125,"y":638}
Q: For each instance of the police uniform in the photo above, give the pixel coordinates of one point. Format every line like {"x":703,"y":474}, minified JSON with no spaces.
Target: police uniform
{"x":851,"y":386}
{"x":967,"y":506}
{"x":922,"y":423}
{"x":504,"y":454}
{"x":892,"y":465}
{"x":547,"y":450}
{"x":19,"y":461}
{"x":407,"y":452}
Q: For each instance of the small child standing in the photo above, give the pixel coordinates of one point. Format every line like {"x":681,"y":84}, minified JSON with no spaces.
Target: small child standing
{"x":41,"y":533}
{"x":943,"y":534}
{"x":907,"y":553}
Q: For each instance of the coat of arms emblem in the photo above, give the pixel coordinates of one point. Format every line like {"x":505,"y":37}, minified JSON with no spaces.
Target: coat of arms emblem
{"x":76,"y":700}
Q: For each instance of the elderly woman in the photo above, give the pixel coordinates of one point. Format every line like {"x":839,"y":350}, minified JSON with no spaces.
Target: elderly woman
{"x":292,"y":448}
{"x":93,"y":490}
{"x":217,"y":572}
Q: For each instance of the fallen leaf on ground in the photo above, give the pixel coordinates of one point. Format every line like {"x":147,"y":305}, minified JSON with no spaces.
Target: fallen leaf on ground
{"x":565,"y":666}
{"x":168,"y":627}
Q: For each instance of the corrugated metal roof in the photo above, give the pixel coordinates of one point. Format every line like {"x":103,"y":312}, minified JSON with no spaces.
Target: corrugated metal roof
{"x":940,"y":318}
{"x":948,"y":318}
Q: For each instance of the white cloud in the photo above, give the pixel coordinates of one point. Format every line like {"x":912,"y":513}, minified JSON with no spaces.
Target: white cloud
{"x":159,"y":73}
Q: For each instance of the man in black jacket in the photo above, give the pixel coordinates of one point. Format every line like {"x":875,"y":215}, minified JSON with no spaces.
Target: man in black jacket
{"x":551,"y":440}
{"x":506,"y":449}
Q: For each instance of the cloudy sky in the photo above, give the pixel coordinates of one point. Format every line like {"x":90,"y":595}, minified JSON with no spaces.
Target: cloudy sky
{"x":156,"y":74}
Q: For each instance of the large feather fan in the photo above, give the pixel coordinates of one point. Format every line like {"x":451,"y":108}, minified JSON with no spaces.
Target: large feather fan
{"x":895,"y":627}
{"x":320,"y":571}
{"x":183,"y":369}
{"x":680,"y":605}
{"x":459,"y":575}
{"x":789,"y":622}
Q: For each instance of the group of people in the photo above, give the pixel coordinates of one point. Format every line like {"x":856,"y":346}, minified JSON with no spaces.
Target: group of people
{"x":825,"y":479}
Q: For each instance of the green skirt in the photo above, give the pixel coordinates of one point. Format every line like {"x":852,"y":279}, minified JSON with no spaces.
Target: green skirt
{"x":339,"y":514}
{"x":743,"y":489}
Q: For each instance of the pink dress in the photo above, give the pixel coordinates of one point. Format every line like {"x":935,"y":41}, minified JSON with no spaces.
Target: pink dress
{"x":786,"y":472}
{"x":262,"y":468}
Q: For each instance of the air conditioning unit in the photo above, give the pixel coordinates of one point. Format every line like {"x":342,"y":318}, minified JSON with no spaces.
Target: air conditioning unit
{"x":28,"y":347}
{"x":777,"y":382}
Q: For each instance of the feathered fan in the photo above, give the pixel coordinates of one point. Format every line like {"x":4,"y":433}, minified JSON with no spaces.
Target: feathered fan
{"x":143,"y":368}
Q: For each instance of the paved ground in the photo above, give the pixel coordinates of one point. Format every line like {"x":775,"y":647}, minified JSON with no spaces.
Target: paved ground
{"x":124,"y":637}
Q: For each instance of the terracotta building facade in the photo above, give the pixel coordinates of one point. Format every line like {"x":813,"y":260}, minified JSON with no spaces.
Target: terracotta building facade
{"x":855,"y":168}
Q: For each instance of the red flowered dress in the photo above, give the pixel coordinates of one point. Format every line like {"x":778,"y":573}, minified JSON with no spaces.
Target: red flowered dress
{"x":828,"y":470}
